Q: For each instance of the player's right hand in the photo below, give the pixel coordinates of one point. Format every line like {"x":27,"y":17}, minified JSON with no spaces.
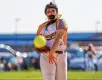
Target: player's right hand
{"x":52,"y":58}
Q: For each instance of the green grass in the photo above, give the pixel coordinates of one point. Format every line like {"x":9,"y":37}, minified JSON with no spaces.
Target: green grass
{"x":84,"y":75}
{"x":36,"y":75}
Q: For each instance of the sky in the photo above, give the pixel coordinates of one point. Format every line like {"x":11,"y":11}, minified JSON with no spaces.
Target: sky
{"x":24,"y":16}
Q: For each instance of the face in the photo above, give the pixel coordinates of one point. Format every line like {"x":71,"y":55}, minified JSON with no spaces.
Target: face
{"x":51,"y":13}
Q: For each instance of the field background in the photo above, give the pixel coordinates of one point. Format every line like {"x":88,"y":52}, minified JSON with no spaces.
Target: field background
{"x":36,"y":75}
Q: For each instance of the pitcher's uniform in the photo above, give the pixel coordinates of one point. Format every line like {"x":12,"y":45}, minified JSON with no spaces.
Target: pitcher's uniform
{"x":58,"y":70}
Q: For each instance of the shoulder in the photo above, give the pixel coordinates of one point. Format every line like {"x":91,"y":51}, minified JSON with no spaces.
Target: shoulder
{"x":41,"y":27}
{"x":62,"y":21}
{"x":62,"y":24}
{"x":43,"y":23}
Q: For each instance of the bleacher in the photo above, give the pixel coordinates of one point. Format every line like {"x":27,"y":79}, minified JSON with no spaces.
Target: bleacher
{"x":27,"y":39}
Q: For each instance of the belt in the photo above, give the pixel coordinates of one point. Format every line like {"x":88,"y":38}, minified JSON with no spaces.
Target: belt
{"x":59,"y":52}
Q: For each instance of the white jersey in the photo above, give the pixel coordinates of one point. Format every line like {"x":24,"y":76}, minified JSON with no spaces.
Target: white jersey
{"x":50,"y":34}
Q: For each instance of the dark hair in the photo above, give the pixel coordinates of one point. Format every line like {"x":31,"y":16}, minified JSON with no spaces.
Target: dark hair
{"x":51,"y":22}
{"x":51,"y":5}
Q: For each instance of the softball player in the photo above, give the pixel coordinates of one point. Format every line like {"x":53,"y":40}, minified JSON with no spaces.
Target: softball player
{"x":53,"y":59}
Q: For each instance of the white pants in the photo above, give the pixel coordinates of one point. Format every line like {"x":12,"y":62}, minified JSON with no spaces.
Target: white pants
{"x":56,"y":71}
{"x":90,"y":63}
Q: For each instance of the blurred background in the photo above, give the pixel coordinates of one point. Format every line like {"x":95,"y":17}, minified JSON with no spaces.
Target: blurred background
{"x":19,"y":20}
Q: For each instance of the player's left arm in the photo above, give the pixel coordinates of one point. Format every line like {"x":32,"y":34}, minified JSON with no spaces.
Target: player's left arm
{"x":59,"y":35}
{"x":62,"y":29}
